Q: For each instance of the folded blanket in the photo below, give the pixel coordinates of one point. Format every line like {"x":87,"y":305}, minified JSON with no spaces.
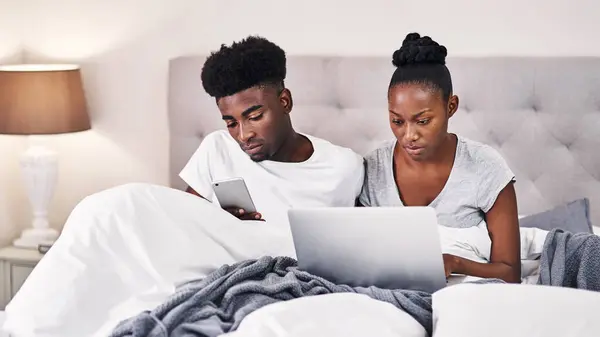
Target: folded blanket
{"x":218,"y":303}
{"x":571,"y":260}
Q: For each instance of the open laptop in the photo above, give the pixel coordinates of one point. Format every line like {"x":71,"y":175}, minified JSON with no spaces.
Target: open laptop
{"x":385,"y":247}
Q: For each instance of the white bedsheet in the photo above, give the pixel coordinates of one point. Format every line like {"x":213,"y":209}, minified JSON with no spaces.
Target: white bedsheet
{"x":331,"y":315}
{"x":2,"y":318}
{"x":474,"y":243}
{"x":506,"y":310}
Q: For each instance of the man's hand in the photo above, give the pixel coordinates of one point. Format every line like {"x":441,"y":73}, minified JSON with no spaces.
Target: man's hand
{"x":243,"y":215}
{"x":237,"y":212}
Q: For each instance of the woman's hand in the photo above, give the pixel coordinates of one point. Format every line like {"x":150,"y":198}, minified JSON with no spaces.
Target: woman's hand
{"x":450,"y":264}
{"x":460,"y":265}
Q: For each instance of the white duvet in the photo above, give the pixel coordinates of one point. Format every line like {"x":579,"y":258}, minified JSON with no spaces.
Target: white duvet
{"x":331,"y":315}
{"x":125,"y":250}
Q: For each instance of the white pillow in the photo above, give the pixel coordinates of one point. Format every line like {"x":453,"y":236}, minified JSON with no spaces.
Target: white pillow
{"x":332,"y":315}
{"x":501,"y":310}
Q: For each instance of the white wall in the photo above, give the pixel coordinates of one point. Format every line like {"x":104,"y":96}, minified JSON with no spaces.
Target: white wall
{"x":9,"y":51}
{"x":124,"y":55}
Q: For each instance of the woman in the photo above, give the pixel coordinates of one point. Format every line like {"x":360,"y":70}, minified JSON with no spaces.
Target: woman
{"x":468,"y":183}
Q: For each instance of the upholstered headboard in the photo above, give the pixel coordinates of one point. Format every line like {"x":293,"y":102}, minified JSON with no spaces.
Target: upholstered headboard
{"x":542,"y":114}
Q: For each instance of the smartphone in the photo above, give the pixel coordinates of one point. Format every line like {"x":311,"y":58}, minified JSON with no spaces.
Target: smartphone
{"x":233,"y":193}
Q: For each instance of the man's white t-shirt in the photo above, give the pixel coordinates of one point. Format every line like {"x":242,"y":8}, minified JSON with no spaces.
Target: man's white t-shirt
{"x":331,"y":177}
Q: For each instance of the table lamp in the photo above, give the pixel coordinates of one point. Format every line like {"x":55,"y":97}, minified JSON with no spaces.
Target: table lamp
{"x":41,"y":100}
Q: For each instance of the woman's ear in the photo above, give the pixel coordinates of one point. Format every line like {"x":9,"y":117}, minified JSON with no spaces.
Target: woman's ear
{"x":452,"y":105}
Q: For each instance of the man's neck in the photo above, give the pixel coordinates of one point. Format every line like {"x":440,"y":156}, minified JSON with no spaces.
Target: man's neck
{"x":295,"y":148}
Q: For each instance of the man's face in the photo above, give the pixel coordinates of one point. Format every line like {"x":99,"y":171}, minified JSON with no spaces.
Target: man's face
{"x":258,"y":119}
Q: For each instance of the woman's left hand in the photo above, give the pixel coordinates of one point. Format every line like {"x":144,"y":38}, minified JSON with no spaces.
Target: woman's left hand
{"x":450,"y":264}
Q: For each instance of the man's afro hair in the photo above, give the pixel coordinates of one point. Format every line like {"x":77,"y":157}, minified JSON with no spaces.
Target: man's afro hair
{"x":247,"y":63}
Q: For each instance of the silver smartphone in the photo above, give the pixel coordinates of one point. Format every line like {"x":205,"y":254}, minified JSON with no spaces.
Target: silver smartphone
{"x":233,"y":192}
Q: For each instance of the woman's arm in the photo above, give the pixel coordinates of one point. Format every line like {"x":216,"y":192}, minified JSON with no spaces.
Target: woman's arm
{"x":503,"y":227}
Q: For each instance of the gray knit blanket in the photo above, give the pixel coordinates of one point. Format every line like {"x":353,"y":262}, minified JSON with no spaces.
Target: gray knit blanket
{"x":571,"y":260}
{"x":218,"y":303}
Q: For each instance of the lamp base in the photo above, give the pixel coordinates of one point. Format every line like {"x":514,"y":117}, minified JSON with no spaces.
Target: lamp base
{"x":31,"y":238}
{"x":39,"y":165}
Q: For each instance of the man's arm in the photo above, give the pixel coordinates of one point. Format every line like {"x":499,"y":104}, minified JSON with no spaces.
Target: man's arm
{"x":192,"y":191}
{"x":503,"y":227}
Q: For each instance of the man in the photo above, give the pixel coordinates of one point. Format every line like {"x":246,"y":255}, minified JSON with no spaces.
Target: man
{"x":281,"y":167}
{"x":124,"y":250}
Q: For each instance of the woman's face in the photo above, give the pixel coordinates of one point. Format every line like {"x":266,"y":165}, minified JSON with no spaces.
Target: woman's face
{"x":419,"y":119}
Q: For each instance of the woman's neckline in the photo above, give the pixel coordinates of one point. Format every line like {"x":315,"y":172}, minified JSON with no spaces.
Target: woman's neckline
{"x":392,"y":173}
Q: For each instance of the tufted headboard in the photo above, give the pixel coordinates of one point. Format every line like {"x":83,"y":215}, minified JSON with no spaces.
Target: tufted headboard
{"x":542,"y":114}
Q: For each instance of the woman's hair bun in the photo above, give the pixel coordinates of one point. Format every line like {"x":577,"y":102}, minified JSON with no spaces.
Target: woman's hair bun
{"x":419,"y":50}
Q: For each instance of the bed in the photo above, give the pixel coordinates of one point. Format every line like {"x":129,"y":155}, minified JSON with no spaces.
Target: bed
{"x":2,"y":318}
{"x":543,"y":116}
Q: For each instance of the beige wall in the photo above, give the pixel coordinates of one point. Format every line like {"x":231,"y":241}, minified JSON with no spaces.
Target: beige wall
{"x":124,"y":55}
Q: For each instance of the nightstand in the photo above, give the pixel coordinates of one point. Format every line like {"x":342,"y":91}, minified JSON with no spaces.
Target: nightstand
{"x":15,"y":266}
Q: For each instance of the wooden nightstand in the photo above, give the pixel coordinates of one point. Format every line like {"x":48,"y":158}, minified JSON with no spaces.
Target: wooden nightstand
{"x":15,"y":266}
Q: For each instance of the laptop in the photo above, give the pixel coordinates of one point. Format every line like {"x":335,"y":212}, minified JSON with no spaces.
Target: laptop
{"x":385,"y":247}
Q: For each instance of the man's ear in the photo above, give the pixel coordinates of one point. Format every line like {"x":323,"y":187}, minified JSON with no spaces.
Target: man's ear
{"x":285,"y":98}
{"x":452,"y":105}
